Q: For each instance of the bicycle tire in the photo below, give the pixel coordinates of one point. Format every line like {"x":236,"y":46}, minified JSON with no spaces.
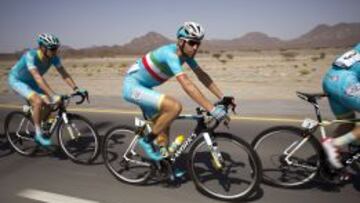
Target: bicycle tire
{"x":197,"y":173}
{"x":81,"y":147}
{"x":290,"y":176}
{"x":114,"y":148}
{"x":23,"y":142}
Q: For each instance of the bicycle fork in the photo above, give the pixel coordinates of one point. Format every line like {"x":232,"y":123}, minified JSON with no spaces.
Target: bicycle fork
{"x":217,"y":159}
{"x":71,"y":127}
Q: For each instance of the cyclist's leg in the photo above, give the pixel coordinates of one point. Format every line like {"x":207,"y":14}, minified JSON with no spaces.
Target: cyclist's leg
{"x":45,"y":109}
{"x":331,"y":149}
{"x":342,"y":113}
{"x":351,"y":100}
{"x":163,"y":138}
{"x":169,"y":110}
{"x":333,"y":85}
{"x":156,"y":106}
{"x":36,"y":102}
{"x":163,"y":109}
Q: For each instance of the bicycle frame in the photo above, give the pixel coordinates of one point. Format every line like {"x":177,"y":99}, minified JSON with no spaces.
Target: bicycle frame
{"x":61,"y":115}
{"x":199,"y":130}
{"x":311,"y":126}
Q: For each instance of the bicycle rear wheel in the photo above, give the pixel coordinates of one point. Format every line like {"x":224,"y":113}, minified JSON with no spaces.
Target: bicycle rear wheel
{"x":20,"y":132}
{"x":122,"y":156}
{"x":79,"y":139}
{"x":272,"y":147}
{"x":239,"y":175}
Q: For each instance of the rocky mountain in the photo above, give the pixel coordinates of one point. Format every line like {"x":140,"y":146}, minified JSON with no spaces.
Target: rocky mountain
{"x":339,"y":35}
{"x":146,"y":43}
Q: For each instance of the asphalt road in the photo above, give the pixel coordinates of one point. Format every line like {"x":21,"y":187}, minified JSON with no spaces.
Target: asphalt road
{"x":53,"y":178}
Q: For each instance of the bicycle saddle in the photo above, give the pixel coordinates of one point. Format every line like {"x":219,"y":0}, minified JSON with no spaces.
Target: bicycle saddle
{"x":310,"y":97}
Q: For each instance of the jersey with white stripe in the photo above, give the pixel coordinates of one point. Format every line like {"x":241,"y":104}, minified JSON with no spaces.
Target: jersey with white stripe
{"x":160,"y":65}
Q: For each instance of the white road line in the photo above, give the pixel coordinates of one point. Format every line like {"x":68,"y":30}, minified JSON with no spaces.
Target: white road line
{"x":51,"y":197}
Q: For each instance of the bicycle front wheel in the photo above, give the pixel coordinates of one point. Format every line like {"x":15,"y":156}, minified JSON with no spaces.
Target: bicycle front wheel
{"x":289,"y":157}
{"x":79,"y":139}
{"x":20,"y":132}
{"x":239,"y":175}
{"x":123,"y":157}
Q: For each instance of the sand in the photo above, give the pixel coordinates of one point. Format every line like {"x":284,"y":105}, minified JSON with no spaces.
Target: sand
{"x":248,"y":75}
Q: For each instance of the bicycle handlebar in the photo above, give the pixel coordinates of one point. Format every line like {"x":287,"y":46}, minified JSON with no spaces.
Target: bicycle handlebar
{"x":228,"y":103}
{"x":65,"y":98}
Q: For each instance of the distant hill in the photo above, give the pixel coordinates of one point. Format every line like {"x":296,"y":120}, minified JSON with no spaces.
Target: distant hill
{"x":146,"y":43}
{"x":252,"y":40}
{"x":339,"y":35}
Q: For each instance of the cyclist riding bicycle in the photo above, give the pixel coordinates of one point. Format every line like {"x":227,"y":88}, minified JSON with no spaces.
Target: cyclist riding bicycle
{"x":155,"y":68}
{"x":26,"y":79}
{"x":342,"y":84}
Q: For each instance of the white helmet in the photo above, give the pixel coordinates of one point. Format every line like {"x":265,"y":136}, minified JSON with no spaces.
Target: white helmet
{"x":48,"y":40}
{"x":191,"y":31}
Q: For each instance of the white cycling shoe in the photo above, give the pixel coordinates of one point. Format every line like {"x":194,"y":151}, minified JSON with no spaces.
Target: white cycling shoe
{"x":332,"y":153}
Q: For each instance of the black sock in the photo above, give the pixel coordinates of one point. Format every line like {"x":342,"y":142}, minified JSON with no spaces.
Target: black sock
{"x":149,"y":138}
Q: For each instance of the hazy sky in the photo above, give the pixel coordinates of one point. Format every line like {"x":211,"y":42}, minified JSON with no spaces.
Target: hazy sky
{"x":84,"y":23}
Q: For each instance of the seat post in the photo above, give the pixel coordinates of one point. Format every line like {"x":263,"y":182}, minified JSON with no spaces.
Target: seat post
{"x":317,"y":110}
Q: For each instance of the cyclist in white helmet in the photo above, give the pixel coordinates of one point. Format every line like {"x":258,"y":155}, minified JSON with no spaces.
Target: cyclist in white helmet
{"x":26,"y":79}
{"x":158,"y":66}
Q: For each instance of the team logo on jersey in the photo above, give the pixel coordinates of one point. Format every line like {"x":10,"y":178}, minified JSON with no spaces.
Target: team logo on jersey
{"x":136,"y":95}
{"x":334,"y":78}
{"x":353,"y":90}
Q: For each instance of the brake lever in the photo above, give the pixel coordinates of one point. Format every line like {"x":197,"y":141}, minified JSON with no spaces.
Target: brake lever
{"x":82,"y":99}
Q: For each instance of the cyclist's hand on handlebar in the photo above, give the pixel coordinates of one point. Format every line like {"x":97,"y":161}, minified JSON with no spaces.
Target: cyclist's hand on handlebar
{"x":228,"y":102}
{"x":231,"y":102}
{"x":81,"y":91}
{"x":219,"y":112}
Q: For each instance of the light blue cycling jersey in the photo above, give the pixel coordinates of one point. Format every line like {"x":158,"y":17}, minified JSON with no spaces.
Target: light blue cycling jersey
{"x":152,"y":70}
{"x":30,"y":60}
{"x":160,"y":65}
{"x":342,"y":83}
{"x":21,"y":80}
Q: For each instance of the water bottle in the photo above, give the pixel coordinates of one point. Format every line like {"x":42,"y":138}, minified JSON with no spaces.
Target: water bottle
{"x":176,"y":144}
{"x":46,"y":125}
{"x":51,"y":118}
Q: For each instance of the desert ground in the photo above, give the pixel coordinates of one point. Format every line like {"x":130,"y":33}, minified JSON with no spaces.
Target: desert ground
{"x":250,"y":75}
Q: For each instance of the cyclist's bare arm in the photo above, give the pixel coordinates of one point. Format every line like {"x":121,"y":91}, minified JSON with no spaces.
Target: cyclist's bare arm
{"x":208,"y":82}
{"x":41,"y":82}
{"x":193,"y":91}
{"x":66,"y":76}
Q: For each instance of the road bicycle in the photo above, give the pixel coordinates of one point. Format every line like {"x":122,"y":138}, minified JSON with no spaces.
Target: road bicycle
{"x":76,"y":135}
{"x":220,"y":164}
{"x":292,"y":156}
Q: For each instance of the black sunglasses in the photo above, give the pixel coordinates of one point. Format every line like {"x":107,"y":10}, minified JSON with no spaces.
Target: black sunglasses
{"x":193,"y":42}
{"x":53,"y":49}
